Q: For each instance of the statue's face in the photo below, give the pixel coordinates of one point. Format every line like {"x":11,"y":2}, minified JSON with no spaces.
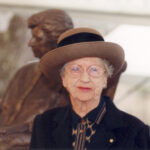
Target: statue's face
{"x":39,"y":42}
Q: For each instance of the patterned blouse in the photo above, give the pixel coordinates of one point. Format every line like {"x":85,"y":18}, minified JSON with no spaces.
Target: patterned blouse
{"x":84,"y":129}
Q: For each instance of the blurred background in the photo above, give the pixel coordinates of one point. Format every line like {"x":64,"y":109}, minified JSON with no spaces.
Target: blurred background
{"x":126,"y":22}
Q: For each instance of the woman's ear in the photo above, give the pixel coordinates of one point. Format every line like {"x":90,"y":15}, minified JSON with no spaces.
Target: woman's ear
{"x":63,"y":81}
{"x":105,"y":83}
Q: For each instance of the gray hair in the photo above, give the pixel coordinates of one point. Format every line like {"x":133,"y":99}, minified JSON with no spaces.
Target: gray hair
{"x":109,"y":69}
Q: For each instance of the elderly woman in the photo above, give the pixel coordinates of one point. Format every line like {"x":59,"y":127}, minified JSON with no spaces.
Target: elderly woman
{"x":84,"y":62}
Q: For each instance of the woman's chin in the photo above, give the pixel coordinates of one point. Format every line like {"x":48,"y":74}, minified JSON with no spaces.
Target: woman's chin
{"x":85,"y":98}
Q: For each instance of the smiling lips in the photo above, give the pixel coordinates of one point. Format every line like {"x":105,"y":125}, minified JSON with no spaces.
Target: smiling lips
{"x":84,"y":89}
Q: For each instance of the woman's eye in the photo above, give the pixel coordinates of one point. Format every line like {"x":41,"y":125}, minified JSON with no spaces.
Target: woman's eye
{"x":93,"y":69}
{"x":76,"y":68}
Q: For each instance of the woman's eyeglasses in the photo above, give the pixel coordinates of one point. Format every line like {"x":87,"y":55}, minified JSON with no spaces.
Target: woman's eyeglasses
{"x":93,"y":70}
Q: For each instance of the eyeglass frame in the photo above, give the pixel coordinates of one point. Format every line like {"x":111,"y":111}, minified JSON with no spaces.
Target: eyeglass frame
{"x":65,"y":68}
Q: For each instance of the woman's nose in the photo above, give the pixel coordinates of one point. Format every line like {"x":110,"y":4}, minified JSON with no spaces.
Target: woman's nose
{"x":85,"y":77}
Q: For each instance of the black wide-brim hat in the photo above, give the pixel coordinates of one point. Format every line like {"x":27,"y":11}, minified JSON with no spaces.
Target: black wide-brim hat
{"x":78,"y":43}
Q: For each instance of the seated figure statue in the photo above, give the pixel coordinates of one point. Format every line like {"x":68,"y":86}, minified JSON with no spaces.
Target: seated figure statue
{"x":29,"y":92}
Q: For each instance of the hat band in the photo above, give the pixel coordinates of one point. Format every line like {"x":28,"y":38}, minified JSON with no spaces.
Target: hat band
{"x":80,"y":37}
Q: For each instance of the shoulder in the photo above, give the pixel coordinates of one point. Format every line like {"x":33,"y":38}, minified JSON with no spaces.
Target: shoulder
{"x":27,"y":69}
{"x":52,"y":114}
{"x":131,"y":120}
{"x":138,"y":129}
{"x":135,"y":130}
{"x":136,"y":125}
{"x":127,"y":126}
{"x":54,"y":111}
{"x":29,"y":66}
{"x":122,"y":118}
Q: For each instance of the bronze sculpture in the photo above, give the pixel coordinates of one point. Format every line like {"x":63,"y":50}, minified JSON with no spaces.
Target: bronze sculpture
{"x":29,"y":92}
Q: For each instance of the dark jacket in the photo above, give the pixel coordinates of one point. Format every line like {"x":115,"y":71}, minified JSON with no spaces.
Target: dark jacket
{"x":52,"y":130}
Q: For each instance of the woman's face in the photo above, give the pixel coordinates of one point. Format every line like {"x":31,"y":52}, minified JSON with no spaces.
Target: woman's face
{"x":84,"y":78}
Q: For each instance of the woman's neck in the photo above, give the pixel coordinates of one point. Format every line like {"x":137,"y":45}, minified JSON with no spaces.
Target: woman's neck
{"x":83,"y":107}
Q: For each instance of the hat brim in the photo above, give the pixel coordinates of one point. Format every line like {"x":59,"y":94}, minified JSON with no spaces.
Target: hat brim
{"x":52,"y":61}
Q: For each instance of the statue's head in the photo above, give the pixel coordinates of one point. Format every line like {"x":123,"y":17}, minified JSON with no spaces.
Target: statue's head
{"x":46,"y":27}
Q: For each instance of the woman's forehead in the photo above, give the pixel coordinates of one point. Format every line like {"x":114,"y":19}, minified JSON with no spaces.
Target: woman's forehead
{"x":87,"y":61}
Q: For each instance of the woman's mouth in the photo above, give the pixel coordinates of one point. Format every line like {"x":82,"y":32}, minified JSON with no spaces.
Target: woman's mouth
{"x":84,"y":89}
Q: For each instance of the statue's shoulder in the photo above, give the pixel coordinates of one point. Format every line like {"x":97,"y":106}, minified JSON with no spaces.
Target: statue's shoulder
{"x":28,"y":69}
{"x":29,"y":66}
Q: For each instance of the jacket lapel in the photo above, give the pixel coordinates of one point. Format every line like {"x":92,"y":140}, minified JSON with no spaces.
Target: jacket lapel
{"x":112,"y":121}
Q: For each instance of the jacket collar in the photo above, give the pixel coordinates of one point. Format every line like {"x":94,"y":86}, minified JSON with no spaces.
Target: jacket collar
{"x":113,"y":118}
{"x":92,"y":116}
